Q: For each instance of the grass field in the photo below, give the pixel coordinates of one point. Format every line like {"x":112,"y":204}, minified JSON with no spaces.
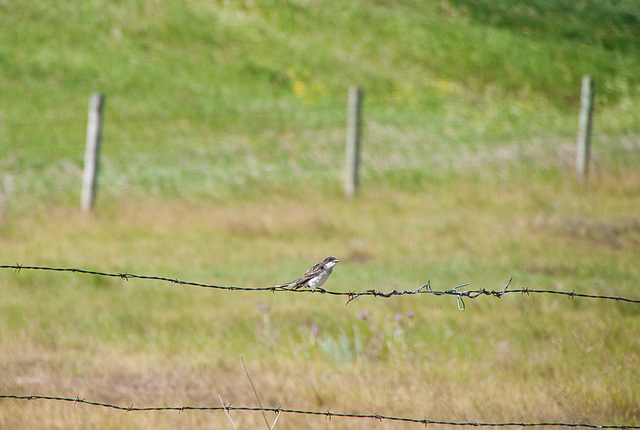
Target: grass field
{"x":221,"y":164}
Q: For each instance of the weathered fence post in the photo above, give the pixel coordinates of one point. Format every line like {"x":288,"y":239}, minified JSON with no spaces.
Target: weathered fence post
{"x":583,"y":150}
{"x":94,"y":128}
{"x":354,"y":127}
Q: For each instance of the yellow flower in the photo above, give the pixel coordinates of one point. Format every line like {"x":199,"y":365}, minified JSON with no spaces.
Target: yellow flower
{"x":299,"y":88}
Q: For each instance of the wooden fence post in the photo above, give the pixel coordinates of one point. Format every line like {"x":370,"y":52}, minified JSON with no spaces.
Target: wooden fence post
{"x":583,"y":149}
{"x":94,"y":128}
{"x":354,"y":127}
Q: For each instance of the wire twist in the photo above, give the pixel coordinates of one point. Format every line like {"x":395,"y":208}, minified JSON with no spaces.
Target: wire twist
{"x":351,"y":295}
{"x":327,"y":414}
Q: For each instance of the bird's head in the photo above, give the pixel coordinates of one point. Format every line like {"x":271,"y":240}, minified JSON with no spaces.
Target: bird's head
{"x":329,"y":262}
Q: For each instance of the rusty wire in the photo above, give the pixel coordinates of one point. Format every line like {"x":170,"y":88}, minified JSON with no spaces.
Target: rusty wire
{"x":326,"y":414}
{"x":351,"y":295}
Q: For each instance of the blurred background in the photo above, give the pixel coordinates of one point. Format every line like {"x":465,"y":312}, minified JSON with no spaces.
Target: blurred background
{"x":222,"y":161}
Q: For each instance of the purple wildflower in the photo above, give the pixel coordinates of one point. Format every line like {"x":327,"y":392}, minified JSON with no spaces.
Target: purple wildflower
{"x":315,"y":331}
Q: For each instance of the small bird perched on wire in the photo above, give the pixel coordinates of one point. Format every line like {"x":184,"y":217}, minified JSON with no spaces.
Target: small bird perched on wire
{"x":316,"y":276}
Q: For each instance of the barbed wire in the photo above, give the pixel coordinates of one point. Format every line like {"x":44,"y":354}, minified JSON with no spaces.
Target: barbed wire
{"x":351,"y":295}
{"x":326,"y":414}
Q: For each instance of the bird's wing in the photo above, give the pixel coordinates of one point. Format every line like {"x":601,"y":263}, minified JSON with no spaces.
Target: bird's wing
{"x":313,"y":271}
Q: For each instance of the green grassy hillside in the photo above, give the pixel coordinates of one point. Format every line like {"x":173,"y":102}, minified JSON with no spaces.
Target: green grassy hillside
{"x":203,"y":97}
{"x":221,"y":163}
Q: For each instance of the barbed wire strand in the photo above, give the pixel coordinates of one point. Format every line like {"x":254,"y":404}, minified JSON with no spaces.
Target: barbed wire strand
{"x":327,"y":414}
{"x":351,"y":295}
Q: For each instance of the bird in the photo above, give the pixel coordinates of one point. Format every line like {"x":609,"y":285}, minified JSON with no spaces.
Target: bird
{"x":316,"y":276}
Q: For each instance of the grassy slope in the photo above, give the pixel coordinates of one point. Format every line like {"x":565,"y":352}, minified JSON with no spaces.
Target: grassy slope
{"x":239,"y":112}
{"x":219,"y":96}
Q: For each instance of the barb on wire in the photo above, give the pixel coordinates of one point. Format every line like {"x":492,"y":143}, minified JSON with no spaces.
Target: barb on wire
{"x":225,"y":408}
{"x":269,"y":426}
{"x":351,"y":295}
{"x":326,"y":414}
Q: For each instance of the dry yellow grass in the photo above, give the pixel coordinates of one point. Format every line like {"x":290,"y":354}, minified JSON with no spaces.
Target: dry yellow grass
{"x":153,"y":344}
